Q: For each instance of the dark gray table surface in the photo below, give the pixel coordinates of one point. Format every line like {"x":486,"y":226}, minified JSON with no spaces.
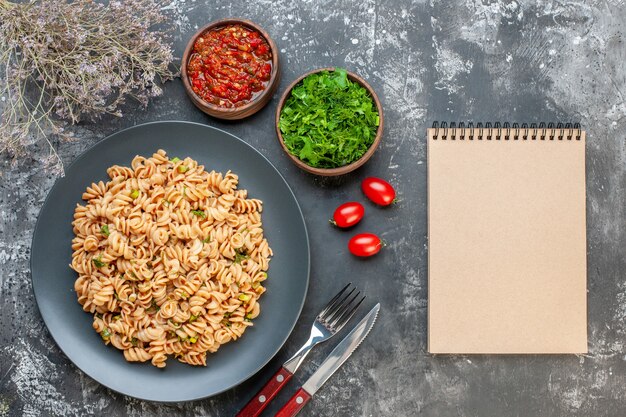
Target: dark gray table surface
{"x":443,"y":60}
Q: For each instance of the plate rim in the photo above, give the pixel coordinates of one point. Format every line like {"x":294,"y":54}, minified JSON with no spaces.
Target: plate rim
{"x":60,"y":180}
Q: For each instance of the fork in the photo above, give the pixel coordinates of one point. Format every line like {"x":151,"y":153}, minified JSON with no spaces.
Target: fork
{"x":328,"y":322}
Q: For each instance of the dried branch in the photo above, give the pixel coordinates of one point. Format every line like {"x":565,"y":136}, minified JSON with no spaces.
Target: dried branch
{"x":66,"y":62}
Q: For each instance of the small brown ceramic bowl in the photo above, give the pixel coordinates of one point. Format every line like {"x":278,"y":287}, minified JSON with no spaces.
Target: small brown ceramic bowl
{"x":331,"y":172}
{"x":248,"y":109}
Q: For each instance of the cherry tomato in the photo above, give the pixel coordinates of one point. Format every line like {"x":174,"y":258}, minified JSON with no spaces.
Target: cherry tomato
{"x":378,"y":190}
{"x":365,"y":244}
{"x":348,"y":214}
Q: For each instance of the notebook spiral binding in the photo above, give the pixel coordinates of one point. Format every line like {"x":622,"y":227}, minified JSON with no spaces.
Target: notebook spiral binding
{"x":506,"y":131}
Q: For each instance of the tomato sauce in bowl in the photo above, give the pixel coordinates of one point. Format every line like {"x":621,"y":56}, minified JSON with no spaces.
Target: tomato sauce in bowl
{"x":229,"y":65}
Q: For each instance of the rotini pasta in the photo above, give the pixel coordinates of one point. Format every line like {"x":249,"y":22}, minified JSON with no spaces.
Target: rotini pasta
{"x":170,"y":258}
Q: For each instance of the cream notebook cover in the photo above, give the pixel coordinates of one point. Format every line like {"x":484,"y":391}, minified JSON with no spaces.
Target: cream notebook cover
{"x":507,"y":240}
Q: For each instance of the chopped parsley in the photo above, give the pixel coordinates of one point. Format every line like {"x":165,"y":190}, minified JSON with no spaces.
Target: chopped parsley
{"x":199,"y":213}
{"x":240,"y":255}
{"x":98,"y":261}
{"x":154,"y":307}
{"x":329,"y":121}
{"x":105,"y":334}
{"x":105,"y":230}
{"x":175,"y":159}
{"x":206,"y":239}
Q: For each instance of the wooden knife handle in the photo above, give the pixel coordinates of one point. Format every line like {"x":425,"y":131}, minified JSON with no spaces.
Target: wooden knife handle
{"x":295,"y":404}
{"x":258,"y":403}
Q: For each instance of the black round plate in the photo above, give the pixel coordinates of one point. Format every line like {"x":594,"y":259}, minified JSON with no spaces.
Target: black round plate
{"x":70,"y":326}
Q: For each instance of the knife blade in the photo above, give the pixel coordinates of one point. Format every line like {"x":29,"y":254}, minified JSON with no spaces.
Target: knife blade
{"x":335,"y":359}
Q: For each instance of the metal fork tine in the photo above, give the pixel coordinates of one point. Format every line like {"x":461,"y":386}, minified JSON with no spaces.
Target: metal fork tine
{"x":332,"y":322}
{"x":344,"y":307}
{"x":332,"y":306}
{"x":338,"y":305}
{"x":348,"y":315}
{"x":332,"y":302}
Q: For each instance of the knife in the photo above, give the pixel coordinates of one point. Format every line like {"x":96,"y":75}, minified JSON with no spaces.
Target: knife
{"x":333,"y":362}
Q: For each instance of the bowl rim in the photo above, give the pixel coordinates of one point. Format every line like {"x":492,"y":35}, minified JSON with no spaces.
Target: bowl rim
{"x":225,"y":22}
{"x":345,"y":168}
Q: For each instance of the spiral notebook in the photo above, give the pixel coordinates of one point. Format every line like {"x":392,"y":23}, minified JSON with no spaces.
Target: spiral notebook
{"x":507,"y":239}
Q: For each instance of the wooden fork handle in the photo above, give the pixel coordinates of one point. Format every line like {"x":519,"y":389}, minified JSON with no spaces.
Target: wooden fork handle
{"x":258,"y":403}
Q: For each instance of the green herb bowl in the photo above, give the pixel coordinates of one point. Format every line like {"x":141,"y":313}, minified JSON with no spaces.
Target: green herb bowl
{"x":331,"y":172}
